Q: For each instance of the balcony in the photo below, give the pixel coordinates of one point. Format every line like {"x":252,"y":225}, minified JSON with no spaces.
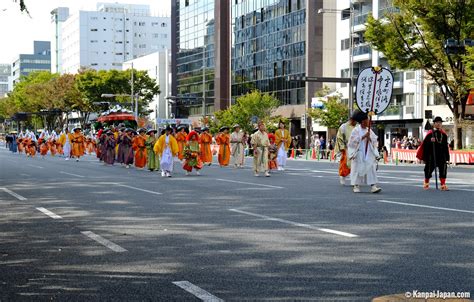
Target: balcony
{"x":362,"y":53}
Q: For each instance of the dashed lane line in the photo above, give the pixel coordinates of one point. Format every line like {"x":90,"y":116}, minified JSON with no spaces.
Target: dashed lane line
{"x":249,"y":183}
{"x":303,"y":225}
{"x":424,"y":206}
{"x":109,"y":244}
{"x":49,"y":213}
{"x":17,"y":196}
{"x":35,"y":166}
{"x":139,"y":189}
{"x":71,"y":174}
{"x":197,"y":291}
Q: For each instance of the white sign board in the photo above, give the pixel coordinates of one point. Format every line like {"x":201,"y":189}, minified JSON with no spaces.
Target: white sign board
{"x":303,"y":121}
{"x":374,"y":89}
{"x":173,"y":121}
{"x":317,"y":102}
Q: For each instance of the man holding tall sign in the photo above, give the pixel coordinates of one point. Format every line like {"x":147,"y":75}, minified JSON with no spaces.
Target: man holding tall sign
{"x":373,"y":95}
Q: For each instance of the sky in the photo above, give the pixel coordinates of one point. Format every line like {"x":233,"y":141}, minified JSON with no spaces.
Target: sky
{"x":18,"y":30}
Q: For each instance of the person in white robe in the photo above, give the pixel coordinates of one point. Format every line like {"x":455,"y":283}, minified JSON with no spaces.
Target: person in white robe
{"x":237,"y":147}
{"x":363,"y":155}
{"x":167,"y":149}
{"x":283,"y":142}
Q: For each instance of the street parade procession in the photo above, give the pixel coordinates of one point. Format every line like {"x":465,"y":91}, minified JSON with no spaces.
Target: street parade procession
{"x":356,"y":144}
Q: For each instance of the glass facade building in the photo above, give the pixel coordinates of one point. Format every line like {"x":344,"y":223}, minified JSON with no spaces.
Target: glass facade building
{"x":268,"y":46}
{"x":195,"y":63}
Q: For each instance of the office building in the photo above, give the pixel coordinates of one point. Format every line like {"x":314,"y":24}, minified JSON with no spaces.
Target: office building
{"x":40,"y":59}
{"x":113,"y":34}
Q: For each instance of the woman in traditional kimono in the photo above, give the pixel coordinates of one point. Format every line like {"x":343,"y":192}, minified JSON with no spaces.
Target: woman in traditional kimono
{"x":272,"y":152}
{"x":108,"y":151}
{"x":206,"y":141}
{"x":166,"y":148}
{"x":140,"y":148}
{"x":127,"y":147}
{"x":191,"y":153}
{"x":223,"y":140}
{"x":153,"y":159}
{"x":181,"y":139}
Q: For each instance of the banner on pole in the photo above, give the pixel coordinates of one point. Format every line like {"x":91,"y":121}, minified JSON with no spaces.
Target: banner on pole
{"x":374,"y":89}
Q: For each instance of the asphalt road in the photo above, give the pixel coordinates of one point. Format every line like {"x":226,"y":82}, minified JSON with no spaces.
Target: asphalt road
{"x":82,"y":231}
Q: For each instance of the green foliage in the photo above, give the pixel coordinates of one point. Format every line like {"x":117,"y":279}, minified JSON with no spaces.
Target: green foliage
{"x":334,"y":112}
{"x":252,"y":104}
{"x":47,"y":95}
{"x":413,"y":36}
{"x":92,"y":84}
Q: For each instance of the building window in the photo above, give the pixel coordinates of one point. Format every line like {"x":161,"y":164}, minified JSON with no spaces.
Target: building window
{"x":435,"y":97}
{"x":142,"y":46}
{"x":345,"y":44}
{"x":93,"y":29}
{"x":346,"y":14}
{"x":164,"y":24}
{"x":409,"y":99}
{"x":94,"y":41}
{"x":119,"y":53}
{"x":141,"y":23}
{"x":410,"y":75}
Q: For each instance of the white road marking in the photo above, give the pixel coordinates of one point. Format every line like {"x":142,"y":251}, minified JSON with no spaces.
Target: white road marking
{"x":424,"y":206}
{"x":321,"y":171}
{"x":72,"y":174}
{"x":17,"y":196}
{"x":197,"y":291}
{"x":35,"y":166}
{"x":49,"y":213}
{"x":249,"y":183}
{"x":307,"y":226}
{"x":114,"y":247}
{"x":138,"y":189}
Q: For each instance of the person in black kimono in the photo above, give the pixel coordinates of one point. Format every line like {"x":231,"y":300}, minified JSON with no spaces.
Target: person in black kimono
{"x":436,"y":154}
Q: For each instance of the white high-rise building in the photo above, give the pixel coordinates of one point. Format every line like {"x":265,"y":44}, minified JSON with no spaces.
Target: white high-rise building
{"x":58,"y":16}
{"x":113,"y":34}
{"x":404,"y":116}
{"x":158,"y":67}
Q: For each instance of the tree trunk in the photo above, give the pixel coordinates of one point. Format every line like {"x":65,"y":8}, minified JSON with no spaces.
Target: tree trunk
{"x":457,"y":128}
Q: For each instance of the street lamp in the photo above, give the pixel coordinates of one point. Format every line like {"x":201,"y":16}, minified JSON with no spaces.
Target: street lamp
{"x":134,"y":97}
{"x":351,"y":48}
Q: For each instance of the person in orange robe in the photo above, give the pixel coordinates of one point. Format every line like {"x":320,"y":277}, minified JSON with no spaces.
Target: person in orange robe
{"x":43,"y":143}
{"x":223,"y":140}
{"x":31,"y":145}
{"x":206,"y":141}
{"x":181,"y":139}
{"x":77,"y":140}
{"x":138,"y":145}
{"x":19,"y":142}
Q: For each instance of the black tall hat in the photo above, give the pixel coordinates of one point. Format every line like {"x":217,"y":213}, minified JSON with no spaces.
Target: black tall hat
{"x":361,"y":116}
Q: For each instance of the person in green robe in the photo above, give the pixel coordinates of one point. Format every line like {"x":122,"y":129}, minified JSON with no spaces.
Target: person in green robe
{"x":153,"y":160}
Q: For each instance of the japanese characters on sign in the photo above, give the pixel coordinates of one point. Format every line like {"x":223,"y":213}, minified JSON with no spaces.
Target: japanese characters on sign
{"x":374,"y":89}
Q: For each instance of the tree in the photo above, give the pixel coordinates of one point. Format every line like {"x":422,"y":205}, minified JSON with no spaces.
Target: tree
{"x":251,"y":106}
{"x":92,"y":84}
{"x":22,"y":4}
{"x":333,"y":113}
{"x":413,"y":37}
